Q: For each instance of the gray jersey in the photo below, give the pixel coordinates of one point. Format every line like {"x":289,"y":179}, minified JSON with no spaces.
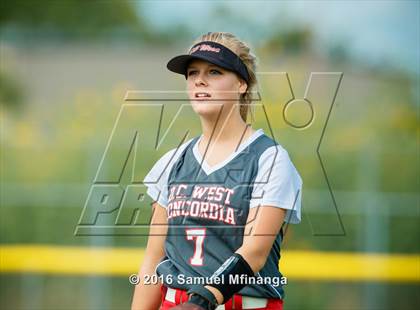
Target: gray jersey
{"x":207,"y":209}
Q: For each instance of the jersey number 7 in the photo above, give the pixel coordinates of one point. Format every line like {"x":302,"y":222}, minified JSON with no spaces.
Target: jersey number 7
{"x":197,"y":235}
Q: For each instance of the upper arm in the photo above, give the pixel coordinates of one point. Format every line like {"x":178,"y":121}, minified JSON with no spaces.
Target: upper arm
{"x":157,"y":234}
{"x":156,"y":181}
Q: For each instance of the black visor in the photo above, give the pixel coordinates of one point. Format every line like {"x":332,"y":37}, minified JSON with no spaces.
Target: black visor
{"x":212,"y":52}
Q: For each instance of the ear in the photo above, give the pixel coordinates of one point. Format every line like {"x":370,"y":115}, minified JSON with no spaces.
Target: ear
{"x":243,"y":86}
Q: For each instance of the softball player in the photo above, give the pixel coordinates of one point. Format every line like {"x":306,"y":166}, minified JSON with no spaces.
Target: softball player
{"x":224,"y":195}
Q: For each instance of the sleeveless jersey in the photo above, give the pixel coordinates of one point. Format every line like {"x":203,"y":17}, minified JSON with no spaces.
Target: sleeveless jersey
{"x":207,"y":211}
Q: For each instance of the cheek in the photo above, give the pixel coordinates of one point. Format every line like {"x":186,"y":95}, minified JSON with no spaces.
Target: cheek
{"x":227,"y":89}
{"x":189,"y":88}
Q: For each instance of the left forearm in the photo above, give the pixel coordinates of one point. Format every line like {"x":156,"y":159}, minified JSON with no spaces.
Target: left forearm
{"x":255,"y":257}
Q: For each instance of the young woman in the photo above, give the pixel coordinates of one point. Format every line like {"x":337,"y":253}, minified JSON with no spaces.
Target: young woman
{"x":222,"y":196}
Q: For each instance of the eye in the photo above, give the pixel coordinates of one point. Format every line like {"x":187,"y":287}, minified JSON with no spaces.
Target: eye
{"x":191,"y":72}
{"x":215,"y":71}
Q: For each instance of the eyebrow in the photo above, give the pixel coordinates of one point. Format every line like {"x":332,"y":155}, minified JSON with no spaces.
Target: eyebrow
{"x":210,"y":66}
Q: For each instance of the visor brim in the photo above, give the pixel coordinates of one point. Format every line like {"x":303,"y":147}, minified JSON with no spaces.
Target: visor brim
{"x":179,"y":64}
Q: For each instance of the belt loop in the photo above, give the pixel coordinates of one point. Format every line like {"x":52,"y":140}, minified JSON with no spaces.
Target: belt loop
{"x":238,"y":302}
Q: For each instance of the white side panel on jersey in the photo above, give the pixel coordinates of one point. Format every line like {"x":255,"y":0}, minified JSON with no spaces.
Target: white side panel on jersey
{"x":278,"y":184}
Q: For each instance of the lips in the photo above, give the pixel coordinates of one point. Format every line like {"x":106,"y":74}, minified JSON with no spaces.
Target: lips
{"x":200,"y":95}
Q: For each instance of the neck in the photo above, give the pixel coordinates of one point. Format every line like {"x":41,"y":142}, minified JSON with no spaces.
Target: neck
{"x":226,"y":129}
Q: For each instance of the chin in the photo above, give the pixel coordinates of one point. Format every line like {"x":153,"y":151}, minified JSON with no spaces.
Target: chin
{"x":206,"y":108}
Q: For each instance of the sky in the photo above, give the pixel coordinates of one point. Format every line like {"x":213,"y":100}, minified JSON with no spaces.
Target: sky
{"x":372,"y":31}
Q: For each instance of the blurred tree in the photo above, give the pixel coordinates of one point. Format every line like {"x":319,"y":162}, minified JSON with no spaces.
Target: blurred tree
{"x":72,"y":17}
{"x":11,"y":92}
{"x":179,"y":33}
{"x":293,"y":40}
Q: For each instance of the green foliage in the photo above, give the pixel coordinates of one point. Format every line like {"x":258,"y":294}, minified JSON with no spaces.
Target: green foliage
{"x":11,"y":92}
{"x":71,"y":17}
{"x":294,"y":40}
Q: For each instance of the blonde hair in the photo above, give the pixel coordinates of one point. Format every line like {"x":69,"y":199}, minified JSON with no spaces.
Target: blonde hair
{"x":242,"y":50}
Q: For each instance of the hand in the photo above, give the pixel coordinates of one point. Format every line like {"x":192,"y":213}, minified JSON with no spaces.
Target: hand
{"x":187,"y":306}
{"x":196,"y":302}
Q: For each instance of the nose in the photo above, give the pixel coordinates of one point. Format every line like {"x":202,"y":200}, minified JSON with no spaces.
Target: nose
{"x":200,"y":80}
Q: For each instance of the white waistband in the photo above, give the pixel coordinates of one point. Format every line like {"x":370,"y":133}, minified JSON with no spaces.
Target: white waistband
{"x":247,"y":301}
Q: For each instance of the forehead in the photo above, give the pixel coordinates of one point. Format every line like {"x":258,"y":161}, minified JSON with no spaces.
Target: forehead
{"x":198,"y":63}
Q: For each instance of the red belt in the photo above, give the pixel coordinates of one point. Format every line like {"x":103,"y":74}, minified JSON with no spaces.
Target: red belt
{"x":234,"y":303}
